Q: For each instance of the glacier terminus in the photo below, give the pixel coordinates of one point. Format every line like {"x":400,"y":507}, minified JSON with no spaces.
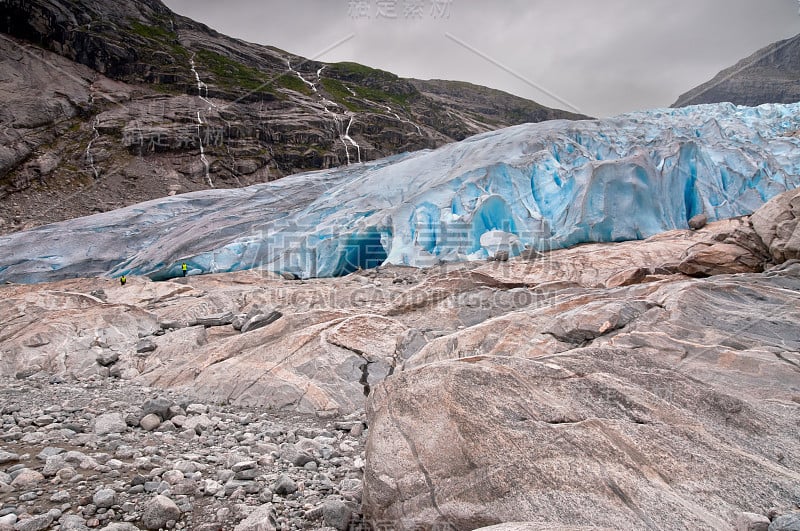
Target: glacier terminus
{"x":546,"y":186}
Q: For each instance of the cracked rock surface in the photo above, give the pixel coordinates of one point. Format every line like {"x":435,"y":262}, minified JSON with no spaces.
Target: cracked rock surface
{"x":595,"y":386}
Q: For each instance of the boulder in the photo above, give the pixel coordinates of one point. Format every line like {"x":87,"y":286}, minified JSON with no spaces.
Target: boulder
{"x":145,"y":345}
{"x":150,"y":422}
{"x":104,"y":498}
{"x":106,"y":358}
{"x":158,"y":511}
{"x":337,"y":514}
{"x":159,"y":406}
{"x":295,"y":456}
{"x":698,"y":222}
{"x":34,"y":523}
{"x":776,"y":223}
{"x":27,"y":479}
{"x":261,"y":519}
{"x":284,"y":485}
{"x":108,"y":423}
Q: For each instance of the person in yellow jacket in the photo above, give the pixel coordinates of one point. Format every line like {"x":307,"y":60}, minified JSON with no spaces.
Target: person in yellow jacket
{"x":122,"y":280}
{"x":184,"y":268}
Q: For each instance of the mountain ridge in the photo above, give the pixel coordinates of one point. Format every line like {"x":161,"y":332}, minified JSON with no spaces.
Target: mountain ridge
{"x":160,"y":86}
{"x":770,"y":75}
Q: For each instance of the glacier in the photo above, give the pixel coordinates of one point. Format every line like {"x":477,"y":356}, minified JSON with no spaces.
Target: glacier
{"x":547,"y":185}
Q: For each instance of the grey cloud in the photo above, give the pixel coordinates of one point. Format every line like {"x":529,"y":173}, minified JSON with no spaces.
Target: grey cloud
{"x":606,"y":57}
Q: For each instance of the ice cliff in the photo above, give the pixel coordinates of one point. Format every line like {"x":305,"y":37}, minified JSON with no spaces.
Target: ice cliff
{"x":549,"y":185}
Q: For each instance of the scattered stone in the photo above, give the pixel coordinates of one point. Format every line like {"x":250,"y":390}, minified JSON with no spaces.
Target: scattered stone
{"x":145,"y":345}
{"x":150,"y":422}
{"x":44,"y":420}
{"x":60,"y":496}
{"x":7,"y":457}
{"x":698,"y":222}
{"x":53,"y":465}
{"x":109,"y":423}
{"x":501,"y":256}
{"x":27,"y":479}
{"x":261,"y":519}
{"x":295,"y":456}
{"x":196,"y":409}
{"x":172,"y":325}
{"x":284,"y":485}
{"x":239,"y":320}
{"x":119,"y":526}
{"x":159,"y":406}
{"x":107,"y":358}
{"x":35,"y":523}
{"x":48,"y":452}
{"x":167,"y":426}
{"x":199,"y":424}
{"x":158,"y":511}
{"x":336,"y":514}
{"x":72,"y":523}
{"x":104,"y":498}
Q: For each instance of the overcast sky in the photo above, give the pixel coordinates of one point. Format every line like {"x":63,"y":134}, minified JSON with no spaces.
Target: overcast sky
{"x":601,"y":57}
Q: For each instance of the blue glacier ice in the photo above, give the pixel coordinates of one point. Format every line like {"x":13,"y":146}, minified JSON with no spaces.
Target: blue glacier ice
{"x":549,"y":185}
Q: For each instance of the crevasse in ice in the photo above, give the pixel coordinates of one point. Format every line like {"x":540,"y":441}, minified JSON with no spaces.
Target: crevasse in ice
{"x":547,"y":185}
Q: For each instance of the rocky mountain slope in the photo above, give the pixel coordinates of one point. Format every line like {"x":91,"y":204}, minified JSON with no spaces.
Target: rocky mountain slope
{"x":106,"y":104}
{"x":770,"y":75}
{"x":633,"y":385}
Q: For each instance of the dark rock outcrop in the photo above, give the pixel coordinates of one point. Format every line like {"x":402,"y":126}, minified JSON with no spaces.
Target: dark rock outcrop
{"x":108,"y":104}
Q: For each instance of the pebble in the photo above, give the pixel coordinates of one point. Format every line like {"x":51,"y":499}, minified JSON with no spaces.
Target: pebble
{"x":109,"y":472}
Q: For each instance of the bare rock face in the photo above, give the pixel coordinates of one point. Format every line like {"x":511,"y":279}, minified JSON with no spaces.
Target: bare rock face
{"x":616,"y":407}
{"x":600,"y":435}
{"x":600,"y":386}
{"x":110,"y":104}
